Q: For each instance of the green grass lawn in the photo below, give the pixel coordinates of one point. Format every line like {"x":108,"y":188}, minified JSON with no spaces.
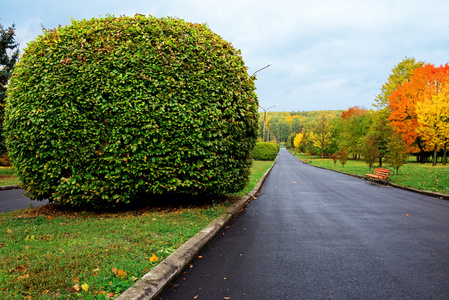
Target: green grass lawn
{"x":54,"y":253}
{"x":412,"y":174}
{"x":7,"y":176}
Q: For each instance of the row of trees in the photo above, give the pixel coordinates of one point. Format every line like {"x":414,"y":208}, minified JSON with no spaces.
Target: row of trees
{"x":411,"y":116}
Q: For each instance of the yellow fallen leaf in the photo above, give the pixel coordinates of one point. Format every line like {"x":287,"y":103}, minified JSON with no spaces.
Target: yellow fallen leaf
{"x":85,"y":287}
{"x":153,"y":257}
{"x":121,"y":274}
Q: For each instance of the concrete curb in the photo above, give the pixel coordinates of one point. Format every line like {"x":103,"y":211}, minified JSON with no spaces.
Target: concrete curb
{"x":9,"y":187}
{"x":154,"y":283}
{"x":423,"y":192}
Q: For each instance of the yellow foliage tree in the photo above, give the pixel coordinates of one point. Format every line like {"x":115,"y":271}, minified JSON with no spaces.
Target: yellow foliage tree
{"x":323,"y":133}
{"x":433,"y":120}
{"x":299,"y":138}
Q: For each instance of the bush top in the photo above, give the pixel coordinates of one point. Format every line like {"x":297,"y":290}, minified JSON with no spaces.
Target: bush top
{"x":107,"y":108}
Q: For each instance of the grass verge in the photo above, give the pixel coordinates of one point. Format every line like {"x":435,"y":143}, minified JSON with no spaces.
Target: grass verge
{"x":54,"y":253}
{"x":7,"y":176}
{"x":413,"y":174}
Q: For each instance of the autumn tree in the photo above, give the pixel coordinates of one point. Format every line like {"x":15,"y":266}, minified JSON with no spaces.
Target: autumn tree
{"x":9,"y":54}
{"x":401,"y":72}
{"x":342,"y":156}
{"x":299,"y":139}
{"x":397,"y":152}
{"x":323,"y":133}
{"x":433,"y":125}
{"x":425,"y":82}
{"x":355,"y":124}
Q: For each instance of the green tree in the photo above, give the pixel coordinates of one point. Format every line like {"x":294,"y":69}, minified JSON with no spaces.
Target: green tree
{"x":9,"y":54}
{"x":323,"y":133}
{"x":397,"y":152}
{"x":355,"y":125}
{"x":370,"y":151}
{"x":401,"y":72}
{"x":381,"y":131}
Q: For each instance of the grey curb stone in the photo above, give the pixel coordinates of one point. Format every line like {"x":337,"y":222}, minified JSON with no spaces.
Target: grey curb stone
{"x":9,"y":187}
{"x":154,"y":283}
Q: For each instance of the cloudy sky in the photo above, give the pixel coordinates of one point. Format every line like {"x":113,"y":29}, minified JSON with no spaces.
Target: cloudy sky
{"x":325,"y":54}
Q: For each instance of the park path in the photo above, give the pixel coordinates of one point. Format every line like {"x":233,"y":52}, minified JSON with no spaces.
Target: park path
{"x":14,"y":199}
{"x":317,"y":234}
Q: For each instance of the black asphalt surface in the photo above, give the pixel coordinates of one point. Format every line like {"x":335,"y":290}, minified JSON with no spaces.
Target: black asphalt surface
{"x":14,"y":199}
{"x":318,"y":234}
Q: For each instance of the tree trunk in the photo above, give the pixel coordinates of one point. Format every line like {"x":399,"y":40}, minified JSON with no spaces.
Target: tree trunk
{"x":434,"y":161}
{"x":444,"y":155}
{"x":380,"y":161}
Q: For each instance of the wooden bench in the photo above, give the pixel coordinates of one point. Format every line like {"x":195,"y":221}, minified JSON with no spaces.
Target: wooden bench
{"x":380,"y":175}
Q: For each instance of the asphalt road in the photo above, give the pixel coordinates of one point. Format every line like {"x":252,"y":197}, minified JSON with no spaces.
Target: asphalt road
{"x":14,"y":199}
{"x":318,"y":234}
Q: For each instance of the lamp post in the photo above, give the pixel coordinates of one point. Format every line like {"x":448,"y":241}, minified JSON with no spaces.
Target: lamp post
{"x":261,"y":69}
{"x":265,"y":110}
{"x":264,"y":118}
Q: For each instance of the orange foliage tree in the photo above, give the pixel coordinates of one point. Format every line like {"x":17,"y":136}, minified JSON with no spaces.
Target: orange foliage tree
{"x":425,"y":82}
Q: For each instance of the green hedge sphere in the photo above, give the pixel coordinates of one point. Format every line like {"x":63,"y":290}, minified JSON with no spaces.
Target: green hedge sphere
{"x":265,"y":151}
{"x":106,"y":109}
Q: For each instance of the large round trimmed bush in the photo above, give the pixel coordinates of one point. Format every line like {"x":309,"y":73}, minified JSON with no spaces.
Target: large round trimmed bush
{"x":106,"y":109}
{"x":265,"y":151}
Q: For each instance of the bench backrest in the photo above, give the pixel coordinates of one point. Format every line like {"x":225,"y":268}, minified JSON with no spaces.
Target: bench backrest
{"x":382,"y":172}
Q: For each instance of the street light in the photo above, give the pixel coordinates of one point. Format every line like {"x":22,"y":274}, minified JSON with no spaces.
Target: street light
{"x":264,"y":118}
{"x":261,"y":69}
{"x":265,"y":110}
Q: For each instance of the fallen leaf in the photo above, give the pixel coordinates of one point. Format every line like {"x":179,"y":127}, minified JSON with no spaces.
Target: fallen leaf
{"x":121,"y":274}
{"x":114,"y":270}
{"x":85,"y":287}
{"x":24,"y":276}
{"x":153,"y":257}
{"x":110,"y":295}
{"x":76,"y":287}
{"x":2,"y":245}
{"x":407,"y":215}
{"x":195,"y":297}
{"x":21,"y":269}
{"x":96,"y":270}
{"x":8,"y":231}
{"x":226,"y":297}
{"x":77,"y":279}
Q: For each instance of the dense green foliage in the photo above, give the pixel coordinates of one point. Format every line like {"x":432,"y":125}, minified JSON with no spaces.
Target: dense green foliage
{"x":106,"y":109}
{"x":265,"y":151}
{"x":9,"y":54}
